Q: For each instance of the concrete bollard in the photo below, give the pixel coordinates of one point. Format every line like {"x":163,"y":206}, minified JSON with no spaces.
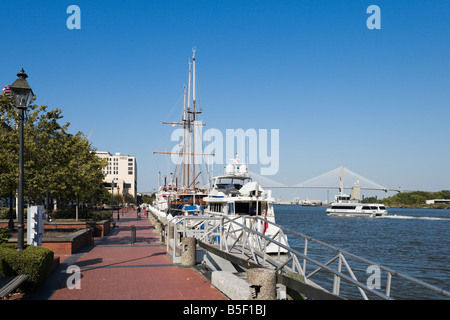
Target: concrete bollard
{"x":171,"y":230}
{"x":133,"y":235}
{"x":162,"y":235}
{"x":170,"y":241}
{"x":263,"y":284}
{"x":188,"y":254}
{"x":158,"y":230}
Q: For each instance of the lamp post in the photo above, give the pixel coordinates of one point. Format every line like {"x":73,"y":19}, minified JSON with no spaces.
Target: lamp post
{"x":11,"y":219}
{"x":118,"y":202}
{"x":112,"y":199}
{"x":22,"y":95}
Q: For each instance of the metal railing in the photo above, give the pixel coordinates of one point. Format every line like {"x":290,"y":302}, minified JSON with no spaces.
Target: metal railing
{"x":243,"y":237}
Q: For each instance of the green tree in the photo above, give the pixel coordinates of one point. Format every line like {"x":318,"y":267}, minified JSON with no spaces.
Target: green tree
{"x":415,"y":198}
{"x":9,"y":146}
{"x":370,"y":200}
{"x":64,"y":164}
{"x":84,"y":176}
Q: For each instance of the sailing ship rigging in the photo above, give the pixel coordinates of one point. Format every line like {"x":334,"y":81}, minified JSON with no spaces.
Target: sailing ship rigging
{"x":186,"y":196}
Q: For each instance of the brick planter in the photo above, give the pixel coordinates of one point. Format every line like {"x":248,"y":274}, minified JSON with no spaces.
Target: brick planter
{"x":66,"y":245}
{"x":70,"y":244}
{"x":100,"y":228}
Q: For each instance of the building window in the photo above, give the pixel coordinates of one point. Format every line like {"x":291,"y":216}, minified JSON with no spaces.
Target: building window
{"x":130,"y":172}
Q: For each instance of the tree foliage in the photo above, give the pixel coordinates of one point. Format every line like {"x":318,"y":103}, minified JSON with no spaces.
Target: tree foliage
{"x":64,"y":164}
{"x":416,"y":198}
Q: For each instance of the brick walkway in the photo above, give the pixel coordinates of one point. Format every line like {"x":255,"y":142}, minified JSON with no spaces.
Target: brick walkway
{"x":113,"y":269}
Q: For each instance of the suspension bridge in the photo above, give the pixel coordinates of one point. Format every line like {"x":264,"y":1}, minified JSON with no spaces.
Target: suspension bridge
{"x":333,"y":179}
{"x":329,"y":180}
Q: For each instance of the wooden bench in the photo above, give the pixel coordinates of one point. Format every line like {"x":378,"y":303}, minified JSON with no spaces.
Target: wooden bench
{"x":9,"y":284}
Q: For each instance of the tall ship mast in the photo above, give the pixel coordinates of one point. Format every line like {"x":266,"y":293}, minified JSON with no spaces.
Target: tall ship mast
{"x":186,"y":196}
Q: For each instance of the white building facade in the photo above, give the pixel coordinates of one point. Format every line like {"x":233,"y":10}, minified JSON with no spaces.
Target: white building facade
{"x":122,"y":170}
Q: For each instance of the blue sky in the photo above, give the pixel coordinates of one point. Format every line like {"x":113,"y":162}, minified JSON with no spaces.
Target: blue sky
{"x":375,"y":101}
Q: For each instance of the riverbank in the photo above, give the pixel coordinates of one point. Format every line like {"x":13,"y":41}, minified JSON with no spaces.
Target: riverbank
{"x":419,"y":206}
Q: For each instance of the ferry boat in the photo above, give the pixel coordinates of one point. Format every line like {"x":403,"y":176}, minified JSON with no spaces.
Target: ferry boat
{"x":344,"y":206}
{"x":235,"y":194}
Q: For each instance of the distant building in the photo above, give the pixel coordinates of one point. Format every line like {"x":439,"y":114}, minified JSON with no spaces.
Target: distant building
{"x":122,"y":170}
{"x":438,"y":201}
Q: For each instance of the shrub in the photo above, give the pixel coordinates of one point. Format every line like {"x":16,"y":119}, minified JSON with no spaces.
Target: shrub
{"x":88,"y":214}
{"x":4,"y":213}
{"x":4,"y":235}
{"x":99,"y":215}
{"x":36,"y":262}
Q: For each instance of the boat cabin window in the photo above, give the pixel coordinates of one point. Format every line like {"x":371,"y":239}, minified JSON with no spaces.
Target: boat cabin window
{"x":373,"y":208}
{"x":217,"y":207}
{"x":242,"y":208}
{"x":344,"y":207}
{"x":230,"y":183}
{"x":250,"y":208}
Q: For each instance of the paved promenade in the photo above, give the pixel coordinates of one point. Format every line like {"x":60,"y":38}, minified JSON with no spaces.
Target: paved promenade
{"x":113,"y":269}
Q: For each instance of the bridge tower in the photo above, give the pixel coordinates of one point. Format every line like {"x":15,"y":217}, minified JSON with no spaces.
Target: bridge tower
{"x":356,"y":191}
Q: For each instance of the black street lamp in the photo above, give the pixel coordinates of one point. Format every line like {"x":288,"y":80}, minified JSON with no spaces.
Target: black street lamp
{"x":118,"y":202}
{"x":22,"y":95}
{"x":11,"y":218}
{"x":112,"y":199}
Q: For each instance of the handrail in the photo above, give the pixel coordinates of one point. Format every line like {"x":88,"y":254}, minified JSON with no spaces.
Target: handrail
{"x":238,"y":235}
{"x":369,"y":262}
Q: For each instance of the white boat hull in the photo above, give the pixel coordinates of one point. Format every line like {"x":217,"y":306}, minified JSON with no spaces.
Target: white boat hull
{"x":344,"y":206}
{"x":160,"y":214}
{"x":271,"y":232}
{"x":354,"y":213}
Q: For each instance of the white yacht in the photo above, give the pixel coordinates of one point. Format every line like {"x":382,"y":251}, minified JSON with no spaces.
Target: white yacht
{"x":235,"y":194}
{"x":344,"y":206}
{"x":172,"y":200}
{"x":165,"y":194}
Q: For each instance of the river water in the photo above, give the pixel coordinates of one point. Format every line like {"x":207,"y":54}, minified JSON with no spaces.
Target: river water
{"x":415,"y":242}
